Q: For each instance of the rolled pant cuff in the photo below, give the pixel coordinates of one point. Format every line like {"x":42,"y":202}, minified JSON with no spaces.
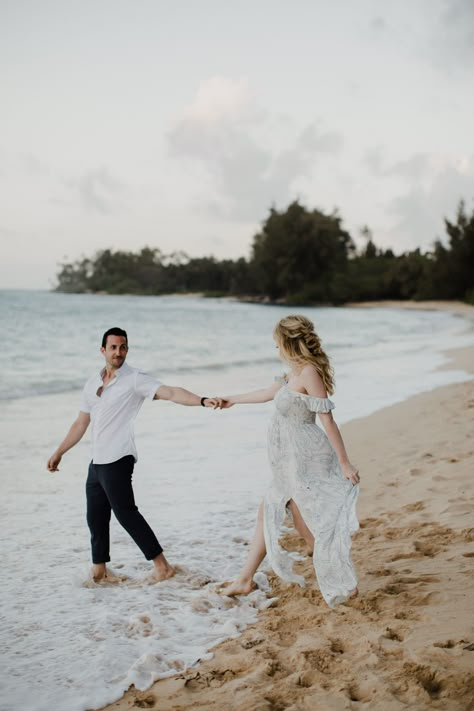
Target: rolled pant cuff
{"x":157,"y":553}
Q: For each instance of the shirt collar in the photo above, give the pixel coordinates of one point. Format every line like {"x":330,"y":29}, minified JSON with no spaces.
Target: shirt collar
{"x":123,"y":370}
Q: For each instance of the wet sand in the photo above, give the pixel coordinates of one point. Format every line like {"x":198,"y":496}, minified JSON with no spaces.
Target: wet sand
{"x":408,"y":640}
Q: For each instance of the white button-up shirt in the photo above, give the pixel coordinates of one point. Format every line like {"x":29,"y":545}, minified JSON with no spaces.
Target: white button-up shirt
{"x":113,"y":413}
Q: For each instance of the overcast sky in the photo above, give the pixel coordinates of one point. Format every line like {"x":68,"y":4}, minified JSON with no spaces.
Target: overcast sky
{"x":132,"y":123}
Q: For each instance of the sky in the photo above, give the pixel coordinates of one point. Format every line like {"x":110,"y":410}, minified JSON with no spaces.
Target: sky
{"x":177,"y":125}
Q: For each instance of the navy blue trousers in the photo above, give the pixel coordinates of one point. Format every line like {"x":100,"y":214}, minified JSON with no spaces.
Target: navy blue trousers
{"x":109,"y":488}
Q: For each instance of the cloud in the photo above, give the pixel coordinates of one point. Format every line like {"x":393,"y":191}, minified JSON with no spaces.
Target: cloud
{"x":419,"y":212}
{"x":417,"y":168}
{"x":378,"y":24}
{"x":452,"y":43}
{"x":97,"y":190}
{"x":33,"y":165}
{"x":8,"y":232}
{"x":226,"y":133}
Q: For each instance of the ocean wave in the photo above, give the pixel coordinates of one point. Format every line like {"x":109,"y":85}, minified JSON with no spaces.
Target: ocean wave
{"x":43,"y":387}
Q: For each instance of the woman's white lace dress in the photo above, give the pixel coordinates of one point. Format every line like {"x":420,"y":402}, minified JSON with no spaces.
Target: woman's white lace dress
{"x":306,"y":469}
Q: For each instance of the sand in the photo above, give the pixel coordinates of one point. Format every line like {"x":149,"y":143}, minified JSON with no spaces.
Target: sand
{"x":408,"y":640}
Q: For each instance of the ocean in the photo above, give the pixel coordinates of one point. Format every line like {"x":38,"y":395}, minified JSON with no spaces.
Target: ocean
{"x":69,"y":645}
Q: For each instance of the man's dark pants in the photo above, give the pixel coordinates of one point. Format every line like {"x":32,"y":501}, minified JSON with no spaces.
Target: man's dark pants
{"x":109,"y":488}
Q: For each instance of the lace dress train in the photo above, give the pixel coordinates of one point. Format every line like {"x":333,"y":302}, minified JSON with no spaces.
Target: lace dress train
{"x":306,"y":469}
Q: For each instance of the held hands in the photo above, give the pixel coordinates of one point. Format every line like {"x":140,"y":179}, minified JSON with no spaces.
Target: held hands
{"x":351,"y":473}
{"x":214,"y":402}
{"x":218,"y":403}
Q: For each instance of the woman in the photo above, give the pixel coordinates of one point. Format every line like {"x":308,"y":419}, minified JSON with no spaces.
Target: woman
{"x":313,"y":478}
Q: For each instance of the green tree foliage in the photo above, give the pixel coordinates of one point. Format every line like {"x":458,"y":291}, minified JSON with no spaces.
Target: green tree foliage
{"x":298,"y":253}
{"x":452,"y":266}
{"x":298,"y":256}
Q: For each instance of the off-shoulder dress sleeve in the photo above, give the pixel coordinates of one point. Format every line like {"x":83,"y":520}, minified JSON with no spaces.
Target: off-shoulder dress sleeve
{"x":318,"y":404}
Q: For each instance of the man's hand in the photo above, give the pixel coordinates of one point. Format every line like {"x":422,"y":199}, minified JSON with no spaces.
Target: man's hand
{"x":214,"y":402}
{"x":76,"y":432}
{"x":225,"y":404}
{"x":53,"y":462}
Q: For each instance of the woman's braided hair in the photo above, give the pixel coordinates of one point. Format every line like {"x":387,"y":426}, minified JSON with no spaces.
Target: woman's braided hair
{"x":301,"y":345}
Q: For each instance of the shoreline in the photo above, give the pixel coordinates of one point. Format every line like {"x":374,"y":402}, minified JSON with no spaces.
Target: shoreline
{"x":455,"y":307}
{"x":401,"y":641}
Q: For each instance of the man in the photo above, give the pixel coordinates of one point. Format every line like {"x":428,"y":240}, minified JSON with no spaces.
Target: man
{"x":110,"y":401}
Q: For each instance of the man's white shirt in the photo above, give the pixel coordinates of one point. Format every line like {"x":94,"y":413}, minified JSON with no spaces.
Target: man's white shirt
{"x":113,"y":412}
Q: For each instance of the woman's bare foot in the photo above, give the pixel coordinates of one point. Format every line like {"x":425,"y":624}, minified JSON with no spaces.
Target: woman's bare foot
{"x":354,"y":593}
{"x":238,"y":587}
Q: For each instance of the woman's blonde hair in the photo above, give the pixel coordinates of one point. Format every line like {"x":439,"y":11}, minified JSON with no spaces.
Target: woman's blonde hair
{"x":301,"y":345}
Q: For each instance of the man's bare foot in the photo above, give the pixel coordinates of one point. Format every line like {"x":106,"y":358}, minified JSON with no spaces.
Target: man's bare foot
{"x":102,"y":574}
{"x":160,"y":575}
{"x":163,"y":570}
{"x":238,"y":587}
{"x":99,"y":572}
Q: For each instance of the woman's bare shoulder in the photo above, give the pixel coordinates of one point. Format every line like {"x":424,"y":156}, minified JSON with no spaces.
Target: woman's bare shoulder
{"x":312,"y":381}
{"x":310,"y":371}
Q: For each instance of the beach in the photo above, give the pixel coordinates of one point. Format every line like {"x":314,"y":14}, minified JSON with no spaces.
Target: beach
{"x":408,"y":639}
{"x":403,"y":401}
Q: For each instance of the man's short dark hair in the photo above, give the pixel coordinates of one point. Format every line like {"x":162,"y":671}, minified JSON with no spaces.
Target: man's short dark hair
{"x":115,"y":331}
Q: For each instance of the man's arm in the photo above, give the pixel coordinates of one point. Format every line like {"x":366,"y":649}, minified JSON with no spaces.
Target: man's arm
{"x":75,"y":434}
{"x":183,"y":397}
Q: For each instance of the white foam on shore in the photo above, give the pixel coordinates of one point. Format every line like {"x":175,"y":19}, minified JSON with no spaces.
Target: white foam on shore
{"x":201,"y":474}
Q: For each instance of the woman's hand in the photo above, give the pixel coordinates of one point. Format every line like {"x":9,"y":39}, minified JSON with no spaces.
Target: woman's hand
{"x":214,"y":402}
{"x":350,"y":472}
{"x":225,"y":403}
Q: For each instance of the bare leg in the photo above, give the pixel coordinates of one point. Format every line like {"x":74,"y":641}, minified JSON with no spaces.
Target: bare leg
{"x":300,"y":525}
{"x":163,"y":570}
{"x":244,"y":582}
{"x":305,"y":533}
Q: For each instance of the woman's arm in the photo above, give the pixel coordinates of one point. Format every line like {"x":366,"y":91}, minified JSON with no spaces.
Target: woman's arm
{"x":256,"y":396}
{"x":314,"y":386}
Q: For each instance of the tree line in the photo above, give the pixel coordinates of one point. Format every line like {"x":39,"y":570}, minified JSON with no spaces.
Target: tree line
{"x":299,"y":256}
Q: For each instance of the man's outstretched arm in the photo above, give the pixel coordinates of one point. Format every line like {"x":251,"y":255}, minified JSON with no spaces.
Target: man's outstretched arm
{"x":76,"y":433}
{"x":183,"y":397}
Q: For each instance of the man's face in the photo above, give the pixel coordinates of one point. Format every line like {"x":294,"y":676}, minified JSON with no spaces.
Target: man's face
{"x":115,"y":351}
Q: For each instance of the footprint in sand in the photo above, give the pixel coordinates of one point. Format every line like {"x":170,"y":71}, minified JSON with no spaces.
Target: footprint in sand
{"x":380,"y":572}
{"x":429,"y":679}
{"x":427,"y":549}
{"x":416,"y":506}
{"x":336,"y":646}
{"x":448,"y":644}
{"x":393,"y":635}
{"x":141,"y":626}
{"x":144,"y":702}
{"x":357,"y":693}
